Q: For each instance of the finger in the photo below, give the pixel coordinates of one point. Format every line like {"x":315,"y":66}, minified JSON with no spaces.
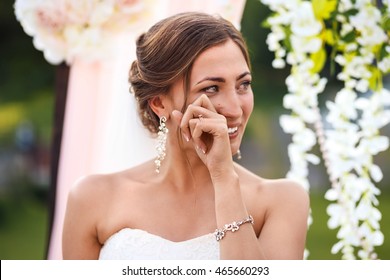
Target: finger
{"x":205,"y":131}
{"x":205,"y":102}
{"x":195,"y":126}
{"x":201,"y":102}
{"x":192,"y":112}
{"x":202,"y":106}
{"x":195,"y":112}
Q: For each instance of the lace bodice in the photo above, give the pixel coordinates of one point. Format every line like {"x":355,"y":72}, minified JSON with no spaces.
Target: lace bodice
{"x":136,"y":244}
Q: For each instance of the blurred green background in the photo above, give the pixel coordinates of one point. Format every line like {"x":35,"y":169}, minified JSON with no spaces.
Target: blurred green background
{"x":26,"y":118}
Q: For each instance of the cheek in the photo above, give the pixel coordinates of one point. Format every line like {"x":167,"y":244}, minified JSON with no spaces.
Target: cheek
{"x":247,"y":103}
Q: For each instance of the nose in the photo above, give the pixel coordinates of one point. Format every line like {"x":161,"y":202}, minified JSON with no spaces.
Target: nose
{"x":230,"y":105}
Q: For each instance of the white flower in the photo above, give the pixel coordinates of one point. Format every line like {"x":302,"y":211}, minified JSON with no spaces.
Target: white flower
{"x":363,"y":210}
{"x":376,"y":173}
{"x":346,"y":28}
{"x":277,"y":5}
{"x":291,"y":124}
{"x":384,"y":64}
{"x":387,"y":3}
{"x":331,"y":194}
{"x":278,"y":63}
{"x":274,"y":38}
{"x":374,"y":145}
{"x":334,"y":211}
{"x":306,"y":44}
{"x":304,"y":23}
{"x":305,"y":139}
{"x":362,"y":85}
{"x":67,"y":29}
{"x":337,"y":247}
{"x":343,"y":107}
{"x":376,"y":238}
{"x":345,"y":5}
{"x":283,"y":18}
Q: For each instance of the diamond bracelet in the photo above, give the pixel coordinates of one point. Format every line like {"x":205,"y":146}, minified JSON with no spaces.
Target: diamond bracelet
{"x":220,"y":233}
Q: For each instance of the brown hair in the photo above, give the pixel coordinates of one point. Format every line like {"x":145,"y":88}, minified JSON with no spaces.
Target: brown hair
{"x":167,"y":52}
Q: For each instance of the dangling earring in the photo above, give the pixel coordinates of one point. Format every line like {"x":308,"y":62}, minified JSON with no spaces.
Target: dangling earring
{"x":239,"y":154}
{"x":161,"y":141}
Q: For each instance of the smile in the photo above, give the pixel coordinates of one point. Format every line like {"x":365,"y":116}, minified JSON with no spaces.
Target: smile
{"x":232,"y":130}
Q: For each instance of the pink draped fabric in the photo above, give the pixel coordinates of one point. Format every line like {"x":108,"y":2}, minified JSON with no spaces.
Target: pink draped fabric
{"x":102,"y":132}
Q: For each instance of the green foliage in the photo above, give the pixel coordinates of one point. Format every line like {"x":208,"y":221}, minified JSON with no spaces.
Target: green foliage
{"x":375,"y":78}
{"x":26,"y":82}
{"x":386,"y":22}
{"x":10,"y":115}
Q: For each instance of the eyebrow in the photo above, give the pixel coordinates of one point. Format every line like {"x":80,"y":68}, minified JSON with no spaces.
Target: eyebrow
{"x":222,"y":80}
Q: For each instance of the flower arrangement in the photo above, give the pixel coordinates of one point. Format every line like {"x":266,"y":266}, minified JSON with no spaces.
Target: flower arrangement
{"x":353,"y":35}
{"x":66,"y":29}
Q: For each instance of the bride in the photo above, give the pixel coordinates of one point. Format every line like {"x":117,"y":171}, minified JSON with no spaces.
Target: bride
{"x":192,"y":81}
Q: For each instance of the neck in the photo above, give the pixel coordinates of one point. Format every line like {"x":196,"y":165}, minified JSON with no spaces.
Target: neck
{"x":182,"y":167}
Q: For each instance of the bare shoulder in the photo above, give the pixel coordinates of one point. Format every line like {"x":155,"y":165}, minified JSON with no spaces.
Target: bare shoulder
{"x":90,"y":186}
{"x":88,"y":197}
{"x":274,"y":193}
{"x":89,"y":194}
{"x":287,"y":190}
{"x":103,"y":186}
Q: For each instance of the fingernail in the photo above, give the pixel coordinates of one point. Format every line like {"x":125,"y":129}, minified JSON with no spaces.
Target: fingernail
{"x":201,"y":149}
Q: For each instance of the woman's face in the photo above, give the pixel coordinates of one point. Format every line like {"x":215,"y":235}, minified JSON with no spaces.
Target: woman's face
{"x":222,"y":73}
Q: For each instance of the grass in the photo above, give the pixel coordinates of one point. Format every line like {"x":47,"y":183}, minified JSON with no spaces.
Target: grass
{"x":23,"y":228}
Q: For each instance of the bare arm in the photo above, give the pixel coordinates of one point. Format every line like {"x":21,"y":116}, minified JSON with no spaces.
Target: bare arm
{"x":79,"y":239}
{"x":283,"y":235}
{"x":229,"y":207}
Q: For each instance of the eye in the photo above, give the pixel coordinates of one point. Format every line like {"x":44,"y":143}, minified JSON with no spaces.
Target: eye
{"x":244,"y":86}
{"x":210,"y":89}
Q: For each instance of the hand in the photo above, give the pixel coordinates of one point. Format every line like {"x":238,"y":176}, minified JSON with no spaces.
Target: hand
{"x":208,"y":132}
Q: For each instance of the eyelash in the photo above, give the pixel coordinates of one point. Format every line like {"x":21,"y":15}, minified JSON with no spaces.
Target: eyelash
{"x":246,"y":85}
{"x":215,"y":88}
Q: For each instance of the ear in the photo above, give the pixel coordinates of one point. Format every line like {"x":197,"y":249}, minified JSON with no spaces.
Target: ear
{"x":159,"y":106}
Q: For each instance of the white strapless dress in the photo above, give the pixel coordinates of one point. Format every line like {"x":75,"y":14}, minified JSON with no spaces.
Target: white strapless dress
{"x":136,"y":244}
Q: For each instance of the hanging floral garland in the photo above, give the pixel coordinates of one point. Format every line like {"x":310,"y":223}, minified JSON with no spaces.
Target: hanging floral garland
{"x":357,"y":32}
{"x":66,"y":29}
